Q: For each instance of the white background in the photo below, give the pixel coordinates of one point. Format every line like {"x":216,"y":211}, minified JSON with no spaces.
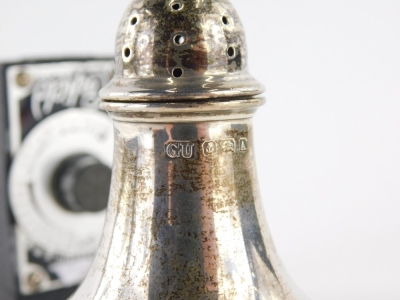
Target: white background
{"x":328,"y":140}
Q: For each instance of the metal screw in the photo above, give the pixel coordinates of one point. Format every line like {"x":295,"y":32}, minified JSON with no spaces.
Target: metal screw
{"x":23,"y":79}
{"x":34,"y":280}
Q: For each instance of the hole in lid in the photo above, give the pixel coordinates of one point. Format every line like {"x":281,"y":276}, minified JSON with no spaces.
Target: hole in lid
{"x":127,"y":52}
{"x":231,"y":52}
{"x":176,"y":6}
{"x":179,"y":39}
{"x":134,"y":21}
{"x":225,"y":20}
{"x":177,"y":72}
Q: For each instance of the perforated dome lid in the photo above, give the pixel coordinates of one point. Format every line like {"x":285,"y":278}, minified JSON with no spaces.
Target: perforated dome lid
{"x":180,"y":50}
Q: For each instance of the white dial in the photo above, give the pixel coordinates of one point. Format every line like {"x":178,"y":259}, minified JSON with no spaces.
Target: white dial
{"x":49,"y":224}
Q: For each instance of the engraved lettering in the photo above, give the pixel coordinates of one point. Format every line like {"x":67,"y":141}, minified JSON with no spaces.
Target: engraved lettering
{"x":187,"y":150}
{"x":178,"y":149}
{"x":173,"y":150}
{"x":243,"y":144}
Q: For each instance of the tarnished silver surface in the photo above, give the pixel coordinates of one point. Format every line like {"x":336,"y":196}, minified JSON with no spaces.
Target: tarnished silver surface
{"x":203,"y":39}
{"x":185,"y":219}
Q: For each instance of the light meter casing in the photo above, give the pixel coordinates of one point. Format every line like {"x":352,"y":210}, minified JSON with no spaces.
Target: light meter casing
{"x":56,"y":149}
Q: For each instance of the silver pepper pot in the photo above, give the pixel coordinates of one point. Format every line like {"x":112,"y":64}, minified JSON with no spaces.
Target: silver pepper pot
{"x":185,"y":220}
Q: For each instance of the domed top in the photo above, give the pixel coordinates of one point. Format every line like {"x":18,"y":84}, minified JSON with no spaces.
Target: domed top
{"x":180,"y":50}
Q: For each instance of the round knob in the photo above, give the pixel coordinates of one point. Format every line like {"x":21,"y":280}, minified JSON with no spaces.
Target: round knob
{"x":81,"y":183}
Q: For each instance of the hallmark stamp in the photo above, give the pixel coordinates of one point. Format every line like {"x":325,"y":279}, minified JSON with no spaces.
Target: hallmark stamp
{"x":224,"y":146}
{"x":180,"y":149}
{"x":209,"y":148}
{"x":228,"y":145}
{"x":243,"y":145}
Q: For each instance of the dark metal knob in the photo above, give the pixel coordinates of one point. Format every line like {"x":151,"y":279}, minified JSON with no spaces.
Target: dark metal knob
{"x":81,"y":183}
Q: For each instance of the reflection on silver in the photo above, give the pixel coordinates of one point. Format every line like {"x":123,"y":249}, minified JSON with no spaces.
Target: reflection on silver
{"x":185,"y":219}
